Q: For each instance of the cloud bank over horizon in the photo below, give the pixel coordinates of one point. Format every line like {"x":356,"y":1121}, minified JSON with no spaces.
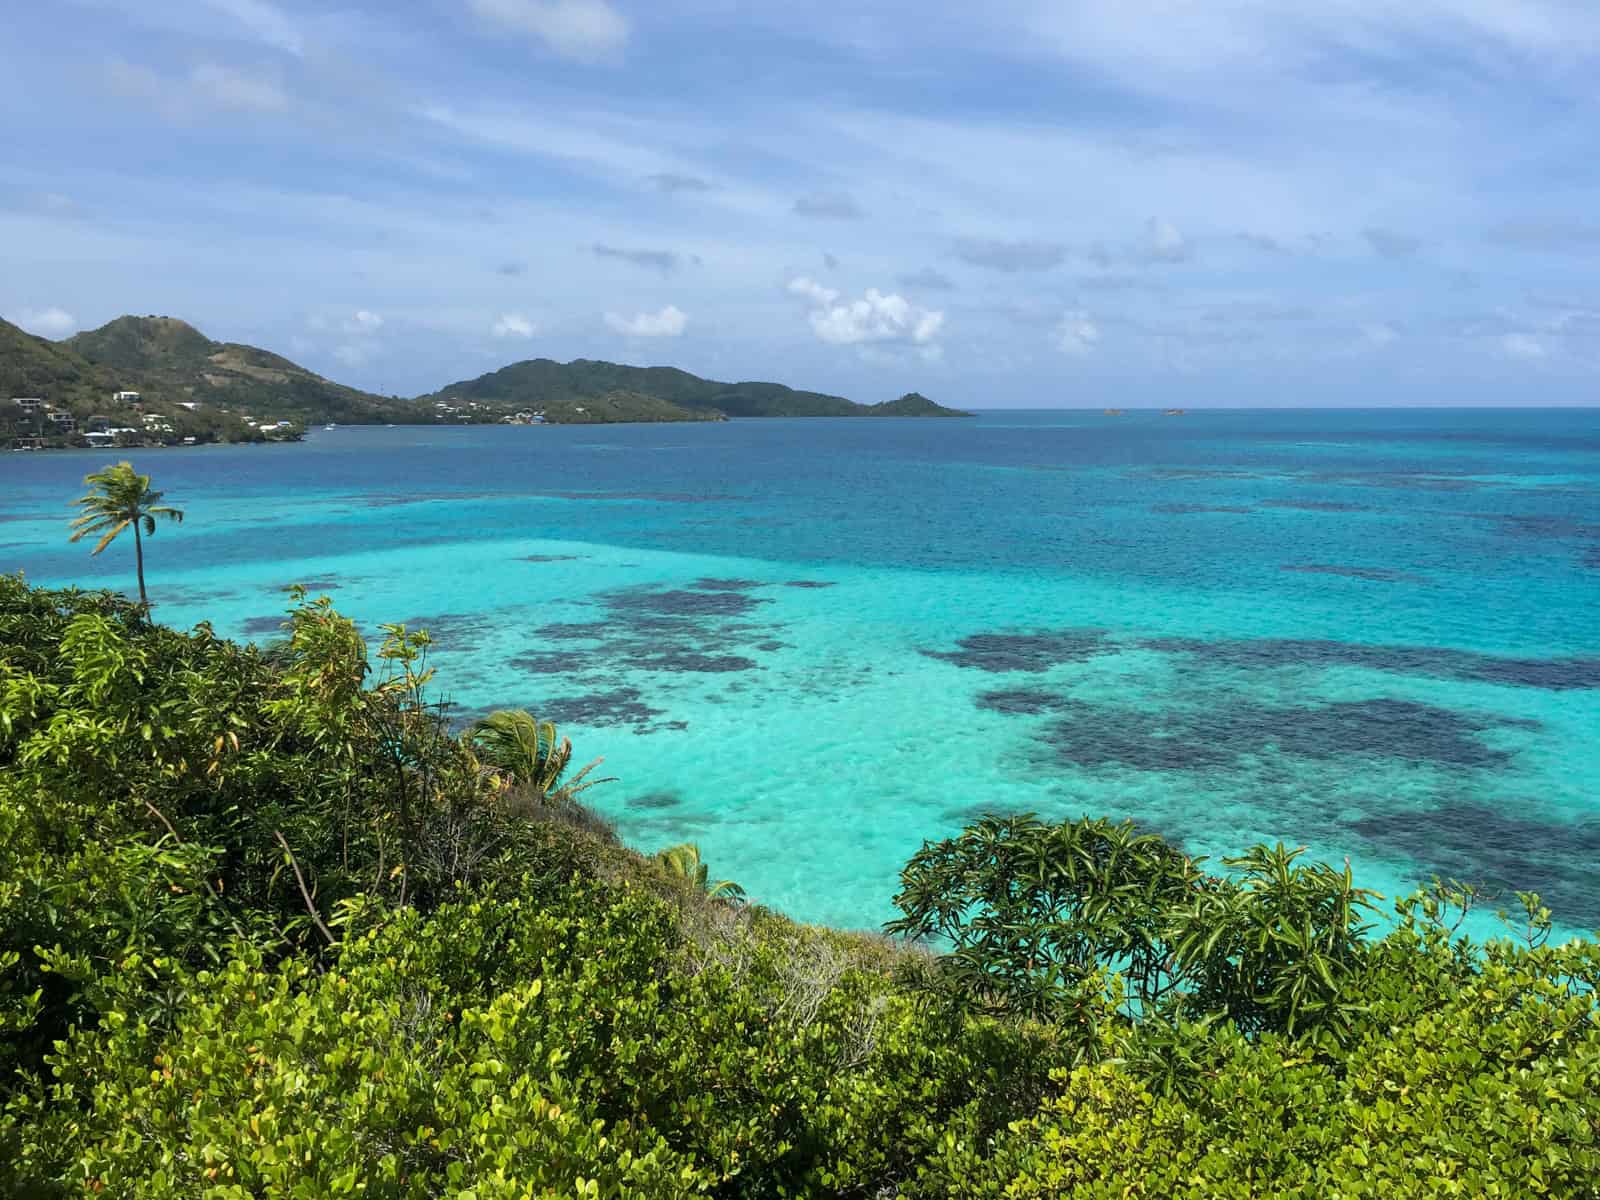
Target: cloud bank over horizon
{"x":1110,"y":202}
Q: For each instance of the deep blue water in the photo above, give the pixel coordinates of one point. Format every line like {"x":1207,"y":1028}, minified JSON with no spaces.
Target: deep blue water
{"x":1376,"y":633}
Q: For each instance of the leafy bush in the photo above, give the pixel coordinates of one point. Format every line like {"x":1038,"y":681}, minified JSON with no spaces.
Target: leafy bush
{"x":510,"y":1048}
{"x":1039,"y":916}
{"x":268,"y":928}
{"x":1492,"y":1093}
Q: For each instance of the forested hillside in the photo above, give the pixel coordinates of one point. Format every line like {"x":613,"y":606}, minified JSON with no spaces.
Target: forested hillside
{"x":173,"y":361}
{"x":543,"y":381}
{"x":195,"y":387}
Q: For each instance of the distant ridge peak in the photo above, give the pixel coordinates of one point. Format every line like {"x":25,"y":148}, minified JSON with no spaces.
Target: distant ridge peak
{"x":914,"y":404}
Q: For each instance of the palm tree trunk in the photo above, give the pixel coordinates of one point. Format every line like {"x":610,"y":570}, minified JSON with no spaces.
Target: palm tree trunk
{"x":138,"y":558}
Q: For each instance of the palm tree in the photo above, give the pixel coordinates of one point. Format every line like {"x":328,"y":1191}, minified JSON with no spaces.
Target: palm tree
{"x":526,"y":749}
{"x":683,"y":863}
{"x":119,"y":497}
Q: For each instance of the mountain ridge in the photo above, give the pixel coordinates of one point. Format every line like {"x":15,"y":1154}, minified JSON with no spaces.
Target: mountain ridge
{"x":542,"y":381}
{"x":178,"y":363}
{"x":215,"y":390}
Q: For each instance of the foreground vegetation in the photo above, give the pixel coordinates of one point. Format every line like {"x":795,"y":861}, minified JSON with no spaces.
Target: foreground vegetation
{"x":268,"y":927}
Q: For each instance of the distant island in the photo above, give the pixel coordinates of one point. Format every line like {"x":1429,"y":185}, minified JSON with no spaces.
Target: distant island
{"x":563,"y":392}
{"x":143,"y":381}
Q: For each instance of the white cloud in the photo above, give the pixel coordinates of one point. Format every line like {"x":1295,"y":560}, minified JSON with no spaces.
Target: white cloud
{"x":1168,"y":47}
{"x":269,"y":24}
{"x":612,"y":146}
{"x":1379,"y":334}
{"x":928,"y":326}
{"x":812,"y":290}
{"x":208,"y":89}
{"x":1164,"y":242}
{"x":1077,"y":334}
{"x":46,"y":322}
{"x":362,"y":321}
{"x":875,"y":317}
{"x":229,"y":88}
{"x":585,"y":30}
{"x":513,"y":325}
{"x":1522,"y":345}
{"x":139,"y":82}
{"x":669,"y":322}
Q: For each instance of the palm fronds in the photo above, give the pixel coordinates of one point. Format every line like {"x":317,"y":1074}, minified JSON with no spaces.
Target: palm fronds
{"x":118,"y":497}
{"x":530,"y":754}
{"x":684,"y":864}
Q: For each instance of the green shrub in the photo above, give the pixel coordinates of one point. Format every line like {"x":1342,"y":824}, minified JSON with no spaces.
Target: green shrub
{"x":267,"y":928}
{"x":1494,"y":1093}
{"x":1038,"y":918}
{"x":510,"y":1047}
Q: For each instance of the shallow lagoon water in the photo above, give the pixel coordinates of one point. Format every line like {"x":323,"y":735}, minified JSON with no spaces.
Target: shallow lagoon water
{"x":810,"y":645}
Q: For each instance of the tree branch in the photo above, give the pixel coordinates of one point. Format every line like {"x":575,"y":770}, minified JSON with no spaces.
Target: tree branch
{"x":305,"y":893}
{"x":210,"y":887}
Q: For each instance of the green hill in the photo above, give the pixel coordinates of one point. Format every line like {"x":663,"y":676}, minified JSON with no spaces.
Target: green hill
{"x":192,"y":386}
{"x":52,"y":371}
{"x":543,"y":382}
{"x":913,"y":404}
{"x":143,"y":343}
{"x":168,"y":360}
{"x":616,"y":407}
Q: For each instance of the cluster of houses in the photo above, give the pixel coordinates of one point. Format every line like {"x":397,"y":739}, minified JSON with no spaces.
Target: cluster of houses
{"x":44,"y":417}
{"x":445,"y":410}
{"x":98,"y":429}
{"x":137,"y":426}
{"x":35,"y":408}
{"x":452,"y":408}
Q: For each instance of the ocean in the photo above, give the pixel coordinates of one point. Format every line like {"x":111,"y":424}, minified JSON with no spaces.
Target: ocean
{"x":810,"y":645}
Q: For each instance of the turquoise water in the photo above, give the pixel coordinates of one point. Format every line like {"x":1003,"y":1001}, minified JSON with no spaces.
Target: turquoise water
{"x":811,"y":645}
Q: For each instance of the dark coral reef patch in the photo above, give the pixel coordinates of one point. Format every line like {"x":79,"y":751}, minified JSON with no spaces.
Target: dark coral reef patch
{"x":1225,"y":733}
{"x":999,"y":653}
{"x":1500,"y":847}
{"x":1438,"y":662}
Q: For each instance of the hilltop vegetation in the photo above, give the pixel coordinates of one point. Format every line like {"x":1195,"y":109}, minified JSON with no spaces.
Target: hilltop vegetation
{"x":36,"y":366}
{"x":614,"y":407}
{"x":221,"y":391}
{"x":267,"y":928}
{"x":188,"y":387}
{"x":912,"y":404}
{"x":174,"y":361}
{"x":541,"y":381}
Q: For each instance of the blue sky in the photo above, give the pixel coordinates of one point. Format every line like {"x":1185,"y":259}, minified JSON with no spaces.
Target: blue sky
{"x":1015,"y":203}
